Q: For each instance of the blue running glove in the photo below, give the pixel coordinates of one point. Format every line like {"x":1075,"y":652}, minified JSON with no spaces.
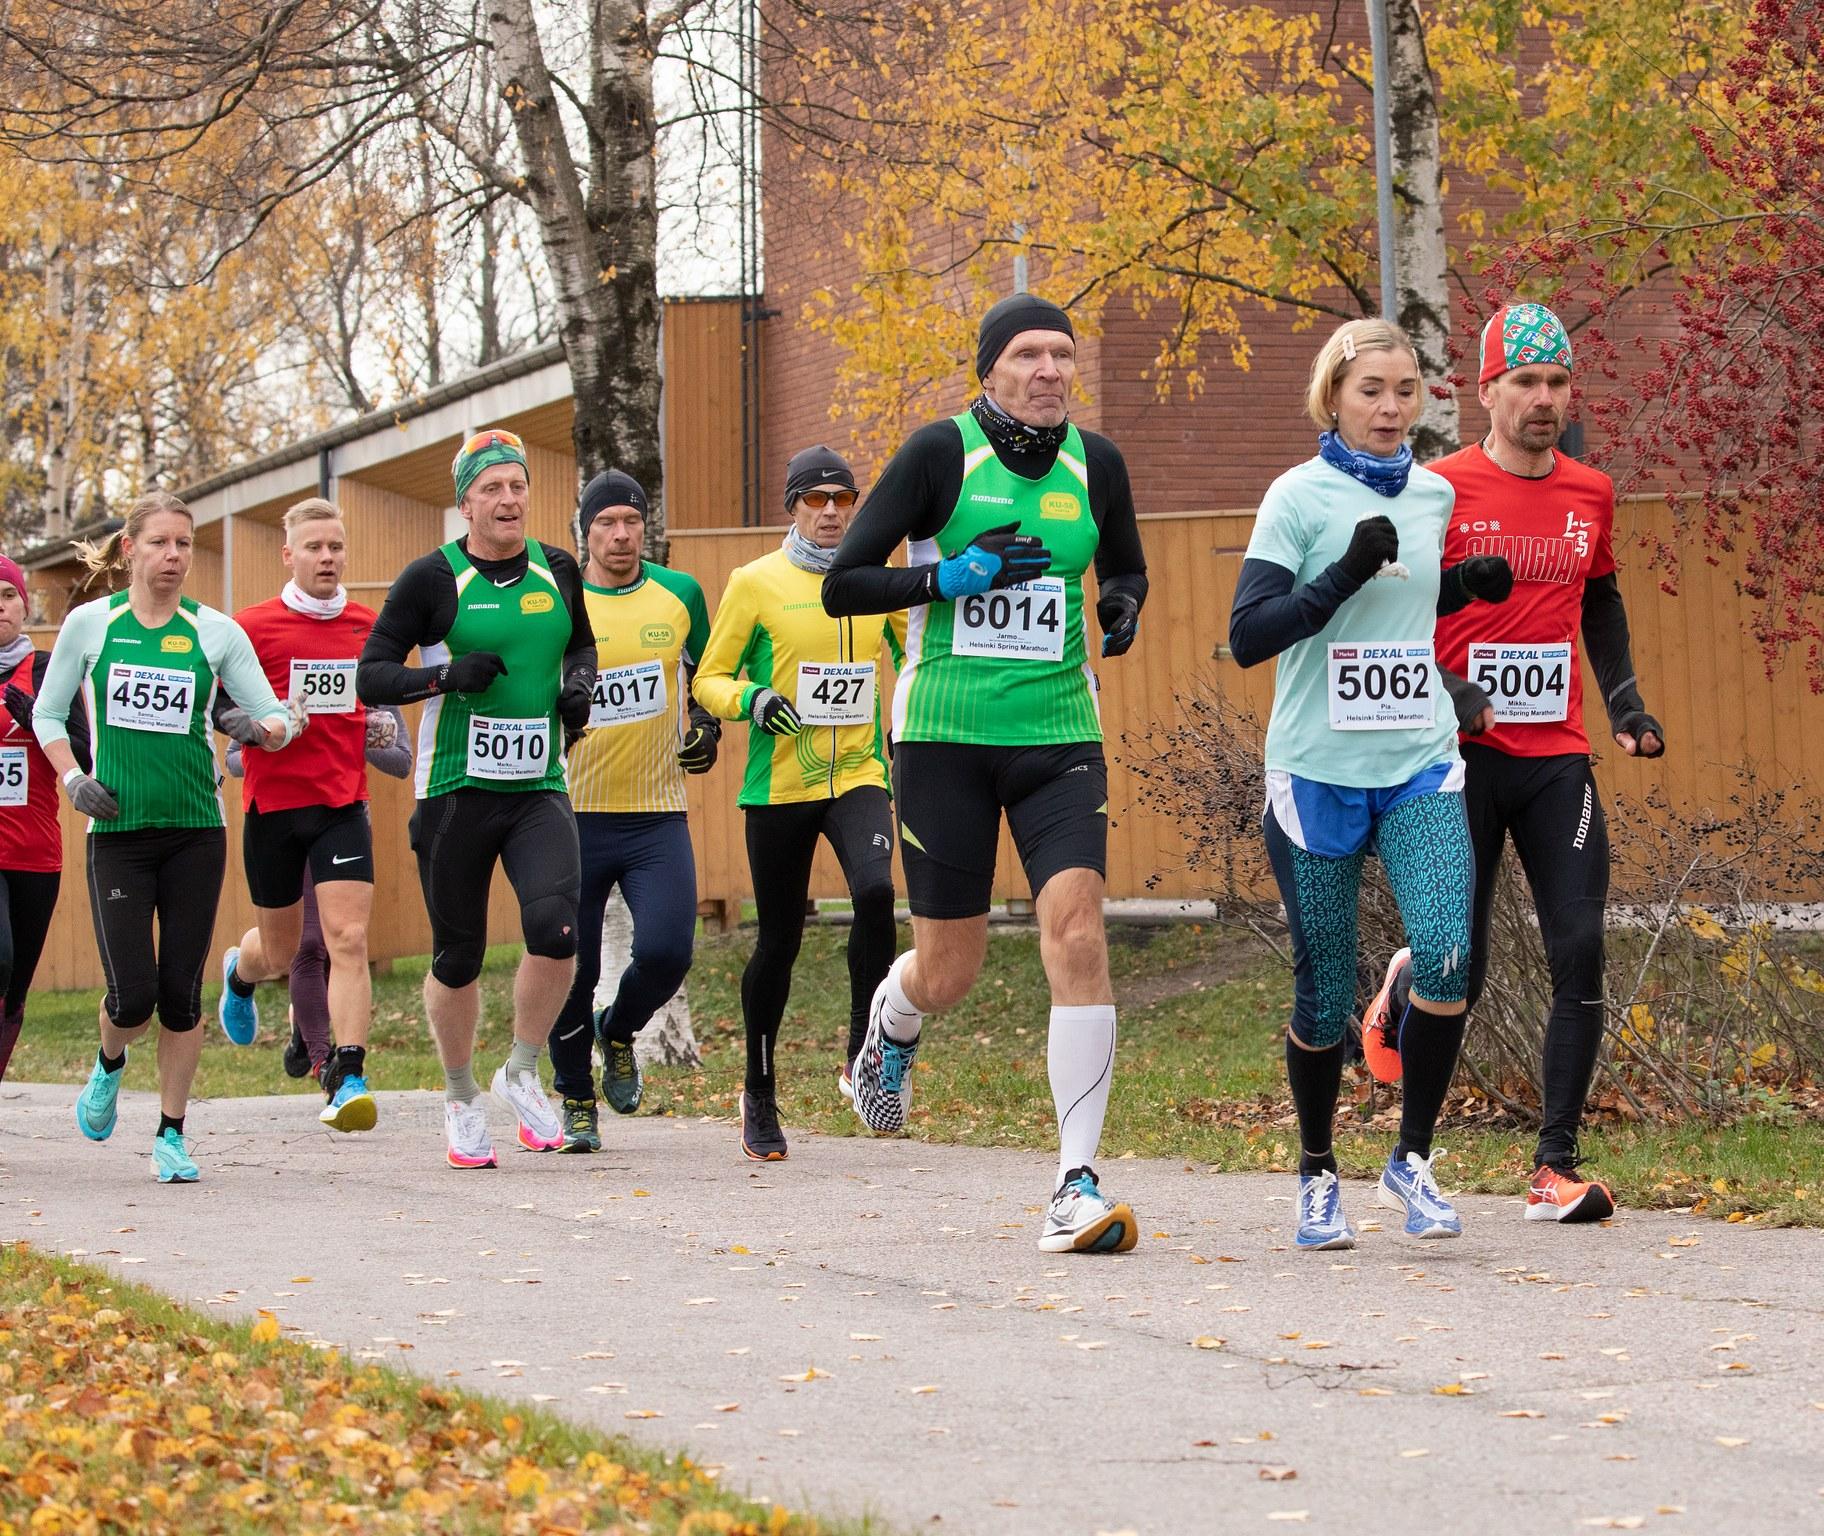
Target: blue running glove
{"x":999,"y":557}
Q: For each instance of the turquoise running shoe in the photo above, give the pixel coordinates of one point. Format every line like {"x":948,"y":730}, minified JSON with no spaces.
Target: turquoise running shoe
{"x":98,"y":1105}
{"x":351,"y":1107}
{"x":240,"y":1016}
{"x":171,"y":1163}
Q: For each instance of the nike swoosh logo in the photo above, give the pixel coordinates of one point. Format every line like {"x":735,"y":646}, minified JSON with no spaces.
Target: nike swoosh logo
{"x":349,"y":860}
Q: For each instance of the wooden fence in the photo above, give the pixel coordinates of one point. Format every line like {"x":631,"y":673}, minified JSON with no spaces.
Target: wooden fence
{"x":1698,"y":674}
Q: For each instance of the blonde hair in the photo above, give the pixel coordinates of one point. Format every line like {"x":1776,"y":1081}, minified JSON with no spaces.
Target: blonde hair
{"x":312,"y":509}
{"x":1335,"y":356}
{"x":107,"y":561}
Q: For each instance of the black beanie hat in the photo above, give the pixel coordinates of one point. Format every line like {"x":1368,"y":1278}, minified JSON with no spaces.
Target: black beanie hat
{"x":812,"y":467}
{"x":611,"y":488}
{"x":1018,"y":312}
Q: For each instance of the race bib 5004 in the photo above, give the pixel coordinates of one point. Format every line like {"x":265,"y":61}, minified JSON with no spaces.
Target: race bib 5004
{"x":1376,"y":687}
{"x":1525,"y":682}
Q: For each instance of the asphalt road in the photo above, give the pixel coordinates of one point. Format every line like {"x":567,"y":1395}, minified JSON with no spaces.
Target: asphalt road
{"x":870,"y":1327}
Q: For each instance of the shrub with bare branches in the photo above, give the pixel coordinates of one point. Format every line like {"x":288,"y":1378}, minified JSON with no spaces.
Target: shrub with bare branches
{"x":1714,"y":996}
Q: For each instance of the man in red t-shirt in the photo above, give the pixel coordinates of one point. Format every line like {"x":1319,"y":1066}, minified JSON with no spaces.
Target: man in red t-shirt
{"x":1512,"y":669}
{"x":307,"y":806}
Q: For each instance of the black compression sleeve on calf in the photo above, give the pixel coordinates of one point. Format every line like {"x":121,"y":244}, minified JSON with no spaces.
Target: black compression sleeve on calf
{"x":1315,"y":1077}
{"x":1429,"y":1044}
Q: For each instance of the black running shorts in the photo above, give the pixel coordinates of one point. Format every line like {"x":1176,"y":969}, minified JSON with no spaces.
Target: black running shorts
{"x":950,"y":797}
{"x":336,"y":841}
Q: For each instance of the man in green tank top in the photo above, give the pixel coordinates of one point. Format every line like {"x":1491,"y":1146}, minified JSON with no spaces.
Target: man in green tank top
{"x":509,"y":667}
{"x":1004,"y":508}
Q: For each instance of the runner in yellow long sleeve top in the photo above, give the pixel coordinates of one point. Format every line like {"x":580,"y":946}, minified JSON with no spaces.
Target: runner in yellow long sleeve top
{"x":627,"y":784}
{"x":816,"y":764}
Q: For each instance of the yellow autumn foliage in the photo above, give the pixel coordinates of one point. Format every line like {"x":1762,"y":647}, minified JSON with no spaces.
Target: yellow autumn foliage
{"x":1199,"y":159}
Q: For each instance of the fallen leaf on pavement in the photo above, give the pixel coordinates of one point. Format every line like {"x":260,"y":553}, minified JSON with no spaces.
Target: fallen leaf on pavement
{"x":1277,"y":1474}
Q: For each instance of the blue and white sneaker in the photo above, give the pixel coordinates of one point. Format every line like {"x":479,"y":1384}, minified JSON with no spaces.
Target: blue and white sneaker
{"x":1321,"y":1222}
{"x":98,"y":1105}
{"x":881,"y":1075}
{"x":171,"y":1162}
{"x":240,"y":1016}
{"x":351,"y":1107}
{"x":1408,"y":1186}
{"x":1082,"y":1219}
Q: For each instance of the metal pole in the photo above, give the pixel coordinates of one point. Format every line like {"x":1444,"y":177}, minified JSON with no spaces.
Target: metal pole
{"x":1383,"y":159}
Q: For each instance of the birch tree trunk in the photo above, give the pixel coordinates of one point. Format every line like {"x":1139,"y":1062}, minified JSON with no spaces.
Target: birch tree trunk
{"x":668,"y":1040}
{"x":599,"y":243}
{"x":1420,"y":254}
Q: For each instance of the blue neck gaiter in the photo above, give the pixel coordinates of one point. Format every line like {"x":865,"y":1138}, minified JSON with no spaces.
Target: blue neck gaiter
{"x":1385,"y":477}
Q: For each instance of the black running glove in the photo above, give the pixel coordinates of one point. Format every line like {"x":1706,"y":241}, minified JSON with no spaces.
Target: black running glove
{"x":1374,"y":543}
{"x":19,"y":705}
{"x":473,"y":673}
{"x":1119,"y":615}
{"x":698,"y":754}
{"x":773,"y":714}
{"x":575,"y":698}
{"x":1488,"y":577}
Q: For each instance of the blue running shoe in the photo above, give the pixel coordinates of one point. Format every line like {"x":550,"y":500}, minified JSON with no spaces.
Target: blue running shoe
{"x":351,"y":1107}
{"x":171,"y":1162}
{"x":1407,"y":1185}
{"x":97,"y":1106}
{"x":1321,"y":1222}
{"x":240,"y":1016}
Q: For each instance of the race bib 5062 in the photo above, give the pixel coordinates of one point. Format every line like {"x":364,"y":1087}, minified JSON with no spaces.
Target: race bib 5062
{"x":1382,"y":687}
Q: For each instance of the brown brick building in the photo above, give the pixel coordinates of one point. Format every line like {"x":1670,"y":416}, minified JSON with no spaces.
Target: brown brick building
{"x":1218,"y":451}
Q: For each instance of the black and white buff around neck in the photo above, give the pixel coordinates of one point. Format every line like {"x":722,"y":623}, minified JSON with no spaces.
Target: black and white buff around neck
{"x":1005,"y":432}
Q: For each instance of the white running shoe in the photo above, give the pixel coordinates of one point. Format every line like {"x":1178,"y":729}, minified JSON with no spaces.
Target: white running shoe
{"x":540,"y":1130}
{"x":466,"y":1126}
{"x":1084,"y":1220}
{"x":880,"y":1077}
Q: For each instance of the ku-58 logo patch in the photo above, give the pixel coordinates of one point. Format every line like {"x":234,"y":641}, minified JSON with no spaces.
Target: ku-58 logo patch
{"x":536,"y":602}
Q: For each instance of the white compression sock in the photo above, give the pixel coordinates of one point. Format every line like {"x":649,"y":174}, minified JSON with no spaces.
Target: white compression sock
{"x":1081,"y":1056}
{"x":899,"y":1019}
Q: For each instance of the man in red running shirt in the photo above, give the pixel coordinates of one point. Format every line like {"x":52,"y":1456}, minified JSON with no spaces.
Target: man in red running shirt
{"x":1518,"y":689}
{"x":309,"y":806}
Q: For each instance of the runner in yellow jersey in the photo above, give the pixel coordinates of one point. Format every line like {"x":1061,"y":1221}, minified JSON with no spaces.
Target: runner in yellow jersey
{"x":816,"y":766}
{"x":627,"y":785}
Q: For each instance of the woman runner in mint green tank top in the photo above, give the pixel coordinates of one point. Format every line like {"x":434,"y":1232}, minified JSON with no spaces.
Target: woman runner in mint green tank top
{"x":148,"y":660}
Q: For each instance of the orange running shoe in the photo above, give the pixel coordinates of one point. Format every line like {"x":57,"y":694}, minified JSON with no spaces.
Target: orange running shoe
{"x":1558,"y":1195}
{"x":1380,"y":1030}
